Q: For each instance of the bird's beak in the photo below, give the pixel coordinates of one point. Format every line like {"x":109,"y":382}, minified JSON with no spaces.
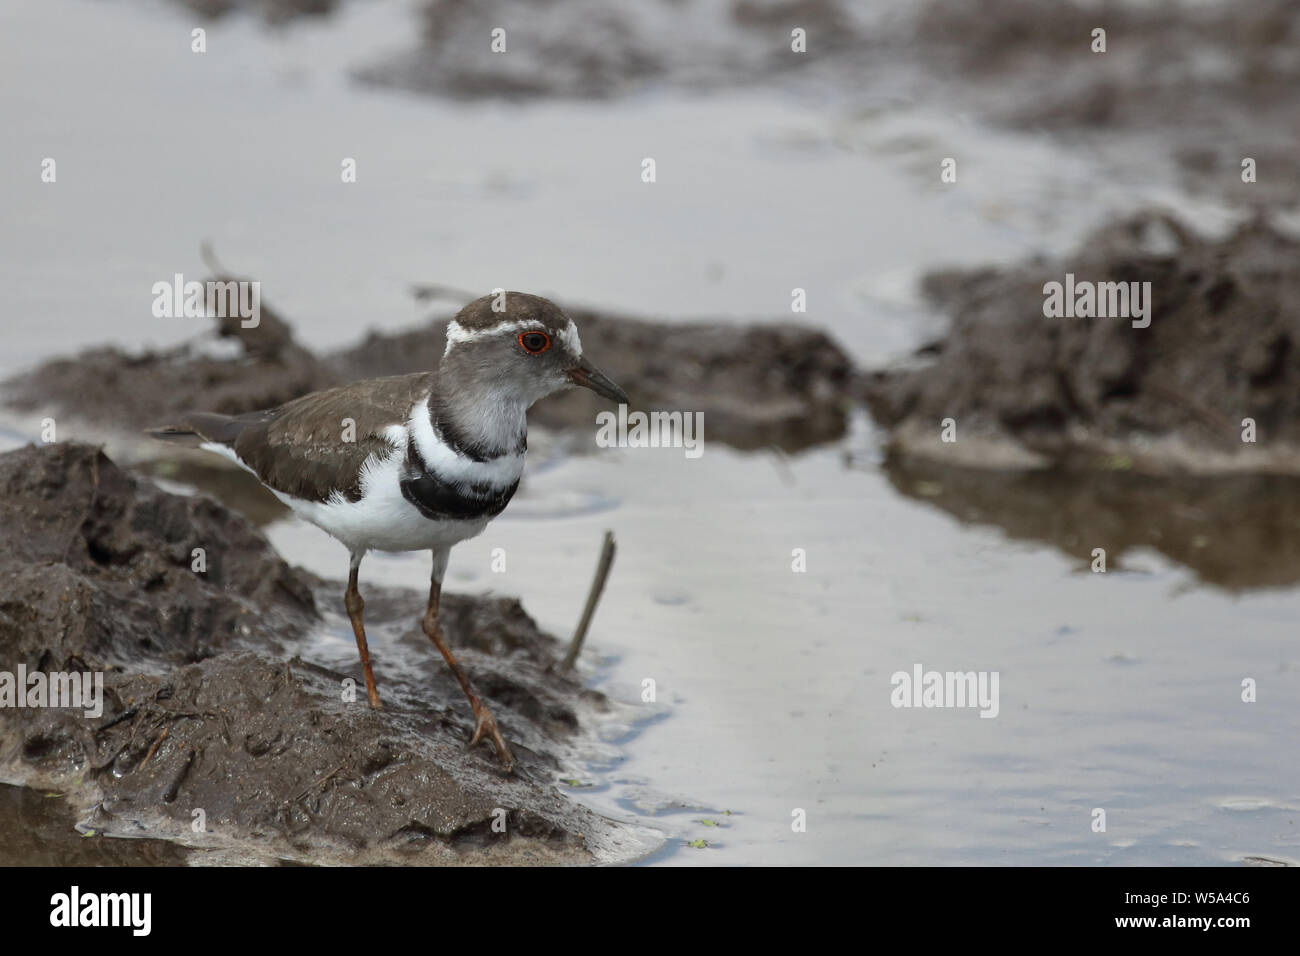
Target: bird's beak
{"x":588,"y":376}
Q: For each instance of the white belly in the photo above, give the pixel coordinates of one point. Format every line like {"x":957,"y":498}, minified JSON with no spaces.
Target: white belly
{"x":382,"y":519}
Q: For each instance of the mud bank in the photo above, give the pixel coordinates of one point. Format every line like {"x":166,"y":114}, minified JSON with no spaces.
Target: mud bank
{"x":1208,"y":84}
{"x":1026,"y":390}
{"x":1213,"y":83}
{"x":272,"y":11}
{"x":757,"y":385}
{"x":592,"y":50}
{"x":206,"y":706}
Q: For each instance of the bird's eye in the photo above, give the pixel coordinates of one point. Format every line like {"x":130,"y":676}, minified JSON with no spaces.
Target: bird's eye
{"x":535,"y":342}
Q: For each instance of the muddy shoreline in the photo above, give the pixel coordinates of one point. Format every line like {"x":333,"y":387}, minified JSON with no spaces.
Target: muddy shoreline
{"x":757,"y":385}
{"x":1025,"y":390}
{"x":1170,"y":74}
{"x":209,"y":713}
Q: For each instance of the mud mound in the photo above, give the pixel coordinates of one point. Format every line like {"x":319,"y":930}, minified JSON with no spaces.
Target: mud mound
{"x":272,"y":11}
{"x":1215,"y":82}
{"x":206,"y":708}
{"x":758,"y":385}
{"x":592,"y":50}
{"x":100,"y":566}
{"x":1025,"y":389}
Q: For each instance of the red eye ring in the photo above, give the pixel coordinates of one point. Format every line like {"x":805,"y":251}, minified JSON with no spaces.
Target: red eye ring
{"x":534,"y":343}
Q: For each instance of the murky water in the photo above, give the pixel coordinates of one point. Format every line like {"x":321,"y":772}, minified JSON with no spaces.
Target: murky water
{"x":1119,"y":691}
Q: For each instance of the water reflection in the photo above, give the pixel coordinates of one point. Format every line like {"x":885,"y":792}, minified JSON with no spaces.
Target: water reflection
{"x":1236,"y":532}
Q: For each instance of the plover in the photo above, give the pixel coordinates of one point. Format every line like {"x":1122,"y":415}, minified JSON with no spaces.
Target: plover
{"x":414,"y":462}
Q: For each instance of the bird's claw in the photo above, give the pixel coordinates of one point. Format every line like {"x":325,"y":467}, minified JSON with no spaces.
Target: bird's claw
{"x":486,"y":726}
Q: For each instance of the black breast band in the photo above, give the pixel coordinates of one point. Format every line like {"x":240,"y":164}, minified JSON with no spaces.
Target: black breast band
{"x":439,"y":500}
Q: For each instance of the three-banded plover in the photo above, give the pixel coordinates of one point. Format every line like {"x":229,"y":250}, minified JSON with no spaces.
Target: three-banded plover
{"x":414,"y":462}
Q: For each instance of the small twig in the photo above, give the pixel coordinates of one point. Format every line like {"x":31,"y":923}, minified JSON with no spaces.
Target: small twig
{"x":155,"y":709}
{"x":317,"y":783}
{"x":209,"y":257}
{"x":433,"y":290}
{"x":593,"y":597}
{"x":125,"y":715}
{"x":781,"y":462}
{"x":161,"y":737}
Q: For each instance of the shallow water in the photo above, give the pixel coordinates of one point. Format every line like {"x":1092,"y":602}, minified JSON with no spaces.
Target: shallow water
{"x":1119,"y":691}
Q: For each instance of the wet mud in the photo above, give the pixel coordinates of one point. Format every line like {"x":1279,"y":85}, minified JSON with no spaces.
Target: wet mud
{"x":210,"y":716}
{"x":1211,"y":83}
{"x":1212,"y":385}
{"x":1171,"y":74}
{"x":757,"y":385}
{"x":270,"y":11}
{"x":585,"y":49}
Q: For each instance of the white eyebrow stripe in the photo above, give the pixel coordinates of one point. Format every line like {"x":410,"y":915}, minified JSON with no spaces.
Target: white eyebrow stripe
{"x":569,"y":338}
{"x":458,"y":334}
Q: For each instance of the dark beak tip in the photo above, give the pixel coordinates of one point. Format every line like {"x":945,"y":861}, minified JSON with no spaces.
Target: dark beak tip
{"x":590,"y":377}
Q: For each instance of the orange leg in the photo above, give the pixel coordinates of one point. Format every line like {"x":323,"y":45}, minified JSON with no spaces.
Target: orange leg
{"x":352,"y":601}
{"x":485,"y":726}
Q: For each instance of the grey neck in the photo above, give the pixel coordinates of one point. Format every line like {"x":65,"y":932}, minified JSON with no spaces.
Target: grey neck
{"x":476,"y":420}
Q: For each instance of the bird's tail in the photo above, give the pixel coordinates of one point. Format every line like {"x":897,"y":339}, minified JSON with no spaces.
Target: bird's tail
{"x":177,"y":435}
{"x":200,"y":427}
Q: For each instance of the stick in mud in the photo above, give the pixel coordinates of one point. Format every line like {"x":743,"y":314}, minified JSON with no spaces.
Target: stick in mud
{"x":154,"y":749}
{"x":593,"y":597}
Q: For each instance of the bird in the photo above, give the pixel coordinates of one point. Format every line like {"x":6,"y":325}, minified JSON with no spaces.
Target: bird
{"x":414,"y":462}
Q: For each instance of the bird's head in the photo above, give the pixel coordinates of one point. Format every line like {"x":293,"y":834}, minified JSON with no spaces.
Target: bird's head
{"x":522,"y":346}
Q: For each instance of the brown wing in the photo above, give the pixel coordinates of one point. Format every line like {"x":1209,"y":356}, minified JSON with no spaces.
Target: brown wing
{"x":302,"y":449}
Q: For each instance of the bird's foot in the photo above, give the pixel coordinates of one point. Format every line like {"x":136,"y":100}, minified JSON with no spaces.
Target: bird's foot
{"x":486,"y":726}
